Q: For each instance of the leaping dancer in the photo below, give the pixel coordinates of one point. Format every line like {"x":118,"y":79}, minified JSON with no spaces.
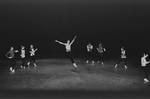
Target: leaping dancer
{"x":68,"y":49}
{"x":11,"y":56}
{"x":32,"y":55}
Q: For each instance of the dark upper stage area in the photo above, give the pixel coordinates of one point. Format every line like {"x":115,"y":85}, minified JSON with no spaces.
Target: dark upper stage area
{"x":39,"y":22}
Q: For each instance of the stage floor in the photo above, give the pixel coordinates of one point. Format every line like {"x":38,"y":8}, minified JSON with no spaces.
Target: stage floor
{"x":60,"y":74}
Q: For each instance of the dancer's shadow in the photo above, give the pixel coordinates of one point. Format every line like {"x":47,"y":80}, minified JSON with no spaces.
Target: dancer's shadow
{"x":88,"y":68}
{"x":75,"y":70}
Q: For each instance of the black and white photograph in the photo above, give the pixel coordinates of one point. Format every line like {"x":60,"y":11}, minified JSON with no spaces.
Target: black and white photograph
{"x":64,"y":49}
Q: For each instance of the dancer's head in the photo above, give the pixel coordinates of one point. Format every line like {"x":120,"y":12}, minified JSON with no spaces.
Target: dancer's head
{"x":11,"y":48}
{"x":122,"y":48}
{"x":100,"y":44}
{"x":22,"y":47}
{"x":31,"y":46}
{"x":145,"y":55}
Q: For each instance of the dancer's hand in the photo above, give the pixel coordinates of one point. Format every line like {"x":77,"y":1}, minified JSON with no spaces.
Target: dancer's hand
{"x":16,"y":51}
{"x":75,"y":37}
{"x":36,"y":49}
{"x":56,"y":40}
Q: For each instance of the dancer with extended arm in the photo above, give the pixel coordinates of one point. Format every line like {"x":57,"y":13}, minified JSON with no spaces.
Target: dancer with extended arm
{"x":68,"y":49}
{"x":144,"y":63}
{"x":11,"y":56}
{"x":100,"y":50}
{"x":123,"y":57}
{"x":32,"y":55}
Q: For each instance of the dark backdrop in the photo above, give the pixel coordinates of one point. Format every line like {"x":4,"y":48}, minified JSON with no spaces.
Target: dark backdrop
{"x":116,"y":23}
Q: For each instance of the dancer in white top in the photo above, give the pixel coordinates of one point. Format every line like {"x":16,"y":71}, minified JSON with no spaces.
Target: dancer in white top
{"x":68,"y":49}
{"x":144,"y":65}
{"x":22,"y":56}
{"x":123,"y":57}
{"x":32,"y":55}
{"x":89,"y":53}
{"x":11,"y":56}
{"x":100,"y":50}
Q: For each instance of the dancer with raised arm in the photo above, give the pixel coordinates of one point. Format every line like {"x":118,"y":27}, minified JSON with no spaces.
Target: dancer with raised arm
{"x":68,"y":49}
{"x":32,"y":55}
{"x":89,"y":53}
{"x":100,"y":50}
{"x":11,"y":56}
{"x":123,"y":57}
{"x":144,"y":63}
{"x":22,"y":56}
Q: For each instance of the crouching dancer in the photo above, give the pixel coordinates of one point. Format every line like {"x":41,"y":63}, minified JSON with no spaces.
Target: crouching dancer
{"x":68,"y":49}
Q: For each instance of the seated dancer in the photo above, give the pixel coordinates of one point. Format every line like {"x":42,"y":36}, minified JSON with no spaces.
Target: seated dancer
{"x":123,"y":57}
{"x":22,"y":56}
{"x":100,"y":50}
{"x":11,"y":56}
{"x":89,"y":53}
{"x":32,"y":55}
{"x":68,"y":50}
{"x":144,"y":65}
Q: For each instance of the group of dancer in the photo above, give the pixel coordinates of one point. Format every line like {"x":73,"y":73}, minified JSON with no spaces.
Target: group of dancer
{"x":11,"y":56}
{"x":100,"y":50}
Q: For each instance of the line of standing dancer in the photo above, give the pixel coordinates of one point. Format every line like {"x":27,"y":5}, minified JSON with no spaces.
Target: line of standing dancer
{"x":11,"y":56}
{"x":100,"y":50}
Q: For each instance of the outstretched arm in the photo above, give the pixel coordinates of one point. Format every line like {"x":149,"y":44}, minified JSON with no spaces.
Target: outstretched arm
{"x":15,"y":51}
{"x":60,"y":42}
{"x":73,"y":40}
{"x":35,"y":49}
{"x":104,"y":49}
{"x":148,"y":62}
